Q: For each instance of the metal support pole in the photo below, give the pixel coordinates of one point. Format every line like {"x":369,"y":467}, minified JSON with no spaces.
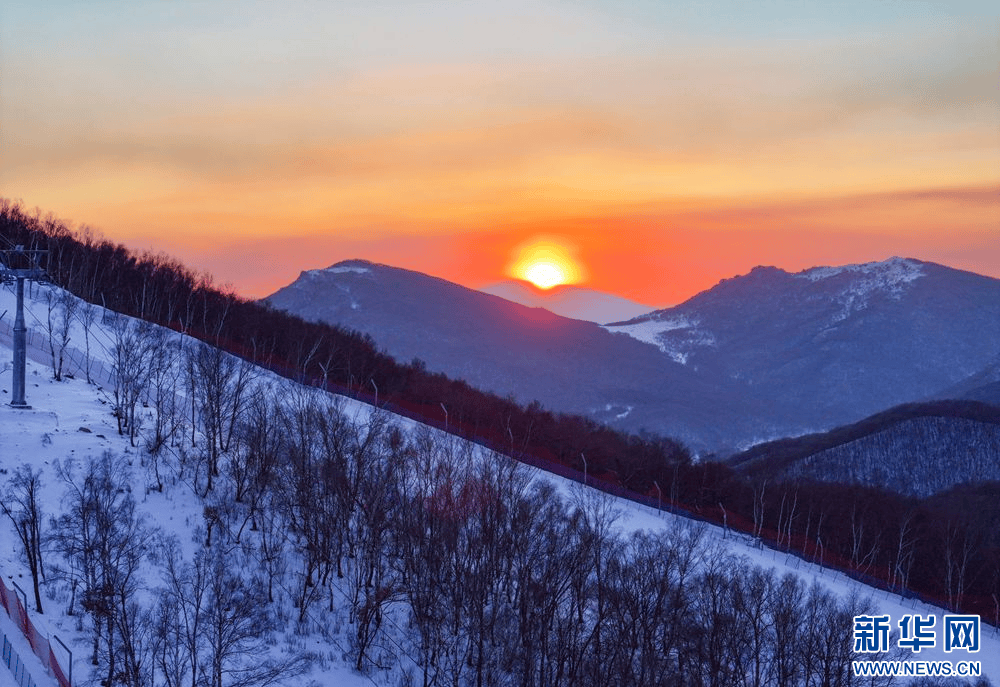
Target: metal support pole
{"x":70,"y":676}
{"x":20,"y":346}
{"x":584,"y":468}
{"x":23,"y":595}
{"x":445,"y":416}
{"x":17,"y":265}
{"x":659,"y":496}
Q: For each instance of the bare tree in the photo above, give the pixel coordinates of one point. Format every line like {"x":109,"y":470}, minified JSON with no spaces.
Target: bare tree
{"x":259,"y":445}
{"x":130,"y":357}
{"x":784,"y":623}
{"x":598,"y":513}
{"x":181,"y":615}
{"x":169,"y":654}
{"x":374,"y":583}
{"x":272,"y":545}
{"x":86,"y":314}
{"x":220,"y":383}
{"x":906,"y":545}
{"x":162,"y":389}
{"x":237,"y":622}
{"x":61,"y":308}
{"x":103,"y":531}
{"x":862,"y":557}
{"x":752,"y":590}
{"x":758,"y":508}
{"x":959,"y":545}
{"x":21,"y":504}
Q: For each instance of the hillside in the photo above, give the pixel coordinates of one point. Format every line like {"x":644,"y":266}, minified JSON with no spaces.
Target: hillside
{"x":983,"y":385}
{"x":158,"y":289}
{"x":916,"y":450}
{"x":340,"y":631}
{"x":202,"y":394}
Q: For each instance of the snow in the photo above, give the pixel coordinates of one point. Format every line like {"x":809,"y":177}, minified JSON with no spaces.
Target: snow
{"x":616,"y":411}
{"x":30,"y":663}
{"x":890,"y":277}
{"x":649,"y":331}
{"x":73,"y":419}
{"x":889,"y":274}
{"x":636,"y":517}
{"x":344,"y":269}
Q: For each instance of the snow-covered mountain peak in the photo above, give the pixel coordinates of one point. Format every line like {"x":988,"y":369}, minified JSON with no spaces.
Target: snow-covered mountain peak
{"x":889,"y":275}
{"x":858,"y":283}
{"x":346,"y":266}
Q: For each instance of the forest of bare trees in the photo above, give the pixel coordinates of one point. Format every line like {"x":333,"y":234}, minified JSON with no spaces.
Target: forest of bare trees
{"x":450,"y":563}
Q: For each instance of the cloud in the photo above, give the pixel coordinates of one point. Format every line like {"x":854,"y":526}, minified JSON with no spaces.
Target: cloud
{"x":363,"y":127}
{"x":731,"y":101}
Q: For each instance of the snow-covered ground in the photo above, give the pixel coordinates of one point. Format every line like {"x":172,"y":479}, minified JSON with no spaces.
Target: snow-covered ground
{"x":652,"y":329}
{"x":72,"y":419}
{"x":28,"y":664}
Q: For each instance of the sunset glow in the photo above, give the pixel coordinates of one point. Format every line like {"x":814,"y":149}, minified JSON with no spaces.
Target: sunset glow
{"x":663,"y":146}
{"x":546,"y":263}
{"x":545,"y":275}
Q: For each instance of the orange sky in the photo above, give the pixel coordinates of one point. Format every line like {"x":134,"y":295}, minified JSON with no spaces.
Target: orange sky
{"x":680,"y":251}
{"x":665,"y":145}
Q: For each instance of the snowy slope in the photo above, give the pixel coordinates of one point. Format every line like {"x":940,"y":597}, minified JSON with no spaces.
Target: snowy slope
{"x":26,"y":662}
{"x":72,"y":419}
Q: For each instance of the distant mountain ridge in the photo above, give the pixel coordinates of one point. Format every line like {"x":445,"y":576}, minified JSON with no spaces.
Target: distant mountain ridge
{"x":758,"y":356}
{"x":915,"y":449}
{"x":872,"y":335}
{"x":983,"y":385}
{"x":530,"y":353}
{"x":570,"y":301}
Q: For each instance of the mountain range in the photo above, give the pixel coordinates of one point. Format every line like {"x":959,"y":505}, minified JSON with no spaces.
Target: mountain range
{"x":758,"y":356}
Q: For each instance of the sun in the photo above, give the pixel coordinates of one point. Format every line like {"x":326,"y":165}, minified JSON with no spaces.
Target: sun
{"x":545,"y":275}
{"x":546,"y":262}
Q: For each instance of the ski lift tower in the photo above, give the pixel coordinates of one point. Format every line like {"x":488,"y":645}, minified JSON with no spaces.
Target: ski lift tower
{"x":16,"y":266}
